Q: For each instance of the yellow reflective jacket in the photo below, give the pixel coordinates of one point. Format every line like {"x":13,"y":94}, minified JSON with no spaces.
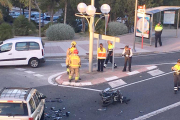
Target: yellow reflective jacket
{"x":110,"y":47}
{"x":74,"y":61}
{"x":70,"y":51}
{"x":101,"y":54}
{"x":158,"y":28}
{"x":177,"y":67}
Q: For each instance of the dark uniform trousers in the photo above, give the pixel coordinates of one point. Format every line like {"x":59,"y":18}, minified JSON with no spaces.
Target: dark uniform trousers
{"x":100,"y":64}
{"x":109,"y":57}
{"x":127,"y":59}
{"x":176,"y":81}
{"x":158,"y":36}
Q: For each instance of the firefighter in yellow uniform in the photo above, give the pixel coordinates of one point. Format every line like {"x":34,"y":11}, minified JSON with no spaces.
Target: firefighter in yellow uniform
{"x":101,"y":55}
{"x":74,"y":64}
{"x":176,"y":70}
{"x":68,"y":54}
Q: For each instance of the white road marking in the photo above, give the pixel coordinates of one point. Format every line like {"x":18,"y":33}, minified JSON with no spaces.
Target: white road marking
{"x":151,"y":67}
{"x":86,"y":83}
{"x":155,"y":72}
{"x":117,"y":83}
{"x":38,"y":75}
{"x":63,"y":64}
{"x":30,"y":72}
{"x":20,"y":69}
{"x":80,"y":88}
{"x":59,"y":74}
{"x":133,"y":72}
{"x":111,"y":78}
{"x":53,"y":76}
{"x":158,"y":111}
{"x":142,"y":80}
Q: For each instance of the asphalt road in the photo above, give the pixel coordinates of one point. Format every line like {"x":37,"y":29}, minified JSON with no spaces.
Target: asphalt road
{"x":148,"y":92}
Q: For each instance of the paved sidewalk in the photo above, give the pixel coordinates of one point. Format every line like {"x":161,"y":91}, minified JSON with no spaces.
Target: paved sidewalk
{"x":169,"y":41}
{"x":101,"y":77}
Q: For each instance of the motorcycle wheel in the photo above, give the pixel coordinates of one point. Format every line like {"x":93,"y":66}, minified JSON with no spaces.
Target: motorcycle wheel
{"x":105,"y":104}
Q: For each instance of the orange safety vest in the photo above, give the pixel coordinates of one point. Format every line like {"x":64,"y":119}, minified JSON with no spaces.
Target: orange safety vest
{"x":74,"y":61}
{"x":101,"y":54}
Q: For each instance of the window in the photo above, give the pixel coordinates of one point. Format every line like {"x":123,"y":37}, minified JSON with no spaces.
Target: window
{"x":34,"y":46}
{"x":22,"y":46}
{"x":32,"y":105}
{"x":13,"y":109}
{"x":6,"y":47}
{"x":36,"y":100}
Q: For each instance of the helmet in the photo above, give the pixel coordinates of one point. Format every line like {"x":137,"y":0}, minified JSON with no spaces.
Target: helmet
{"x":76,"y":51}
{"x":73,"y":43}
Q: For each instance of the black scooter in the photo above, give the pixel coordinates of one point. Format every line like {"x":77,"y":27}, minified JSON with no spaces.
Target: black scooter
{"x":111,"y":96}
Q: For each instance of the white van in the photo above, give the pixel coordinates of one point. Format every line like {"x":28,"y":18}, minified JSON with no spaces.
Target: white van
{"x":22,"y":51}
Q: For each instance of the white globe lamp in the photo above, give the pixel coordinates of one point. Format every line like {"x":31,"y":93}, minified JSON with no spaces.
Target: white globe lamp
{"x":90,"y":10}
{"x":81,"y":7}
{"x":105,"y":8}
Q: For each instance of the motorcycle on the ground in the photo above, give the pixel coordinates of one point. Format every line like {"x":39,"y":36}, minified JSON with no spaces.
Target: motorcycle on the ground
{"x":111,"y":96}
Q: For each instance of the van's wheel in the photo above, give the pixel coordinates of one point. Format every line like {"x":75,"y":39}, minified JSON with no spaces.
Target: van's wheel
{"x":34,"y":62}
{"x":42,"y":116}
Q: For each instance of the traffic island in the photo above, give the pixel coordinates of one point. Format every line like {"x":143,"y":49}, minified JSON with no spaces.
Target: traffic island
{"x":96,"y":77}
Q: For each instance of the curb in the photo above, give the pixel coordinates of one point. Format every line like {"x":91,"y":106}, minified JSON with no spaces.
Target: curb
{"x":102,"y":80}
{"x":117,"y":54}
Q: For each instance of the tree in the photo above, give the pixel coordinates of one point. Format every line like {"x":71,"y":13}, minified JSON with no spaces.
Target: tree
{"x":6,"y":4}
{"x":51,"y":5}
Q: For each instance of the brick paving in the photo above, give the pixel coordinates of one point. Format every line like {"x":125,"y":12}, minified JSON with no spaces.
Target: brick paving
{"x":98,"y":77}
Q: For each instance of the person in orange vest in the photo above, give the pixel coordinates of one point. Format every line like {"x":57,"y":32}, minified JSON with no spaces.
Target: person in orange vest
{"x":176,"y":70}
{"x":110,"y":54}
{"x":68,"y":54}
{"x":101,"y":55}
{"x":74,"y":64}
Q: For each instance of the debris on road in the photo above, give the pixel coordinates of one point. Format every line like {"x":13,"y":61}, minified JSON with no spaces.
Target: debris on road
{"x":102,"y":109}
{"x":55,"y":113}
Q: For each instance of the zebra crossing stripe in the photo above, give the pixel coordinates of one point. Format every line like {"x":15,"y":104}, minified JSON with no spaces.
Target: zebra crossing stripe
{"x":38,"y":75}
{"x":117,"y":83}
{"x":155,"y":72}
{"x":151,"y":67}
{"x":20,"y":69}
{"x":63,"y":64}
{"x":30,"y":72}
{"x":133,"y":72}
{"x":111,"y":78}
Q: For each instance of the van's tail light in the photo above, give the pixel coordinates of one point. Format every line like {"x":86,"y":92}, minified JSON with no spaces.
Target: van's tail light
{"x":42,"y":52}
{"x":30,"y":118}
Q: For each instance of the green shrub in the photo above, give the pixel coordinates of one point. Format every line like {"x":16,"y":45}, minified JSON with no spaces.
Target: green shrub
{"x":43,"y":29}
{"x":60,"y":32}
{"x":23,"y":27}
{"x":5,"y":31}
{"x":116,"y":28}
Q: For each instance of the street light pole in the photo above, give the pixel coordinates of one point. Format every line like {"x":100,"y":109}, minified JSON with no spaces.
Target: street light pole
{"x":135,"y":21}
{"x":89,"y":12}
{"x":91,"y":39}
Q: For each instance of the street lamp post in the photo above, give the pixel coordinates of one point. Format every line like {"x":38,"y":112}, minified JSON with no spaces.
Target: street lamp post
{"x":89,"y":12}
{"x":135,"y":21}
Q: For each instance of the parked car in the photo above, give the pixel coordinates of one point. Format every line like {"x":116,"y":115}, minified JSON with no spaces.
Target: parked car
{"x":22,"y":51}
{"x":35,"y":16}
{"x":14,"y":14}
{"x":21,"y":104}
{"x":47,"y":20}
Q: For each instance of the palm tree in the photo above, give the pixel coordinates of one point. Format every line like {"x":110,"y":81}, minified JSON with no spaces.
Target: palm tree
{"x":5,"y":3}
